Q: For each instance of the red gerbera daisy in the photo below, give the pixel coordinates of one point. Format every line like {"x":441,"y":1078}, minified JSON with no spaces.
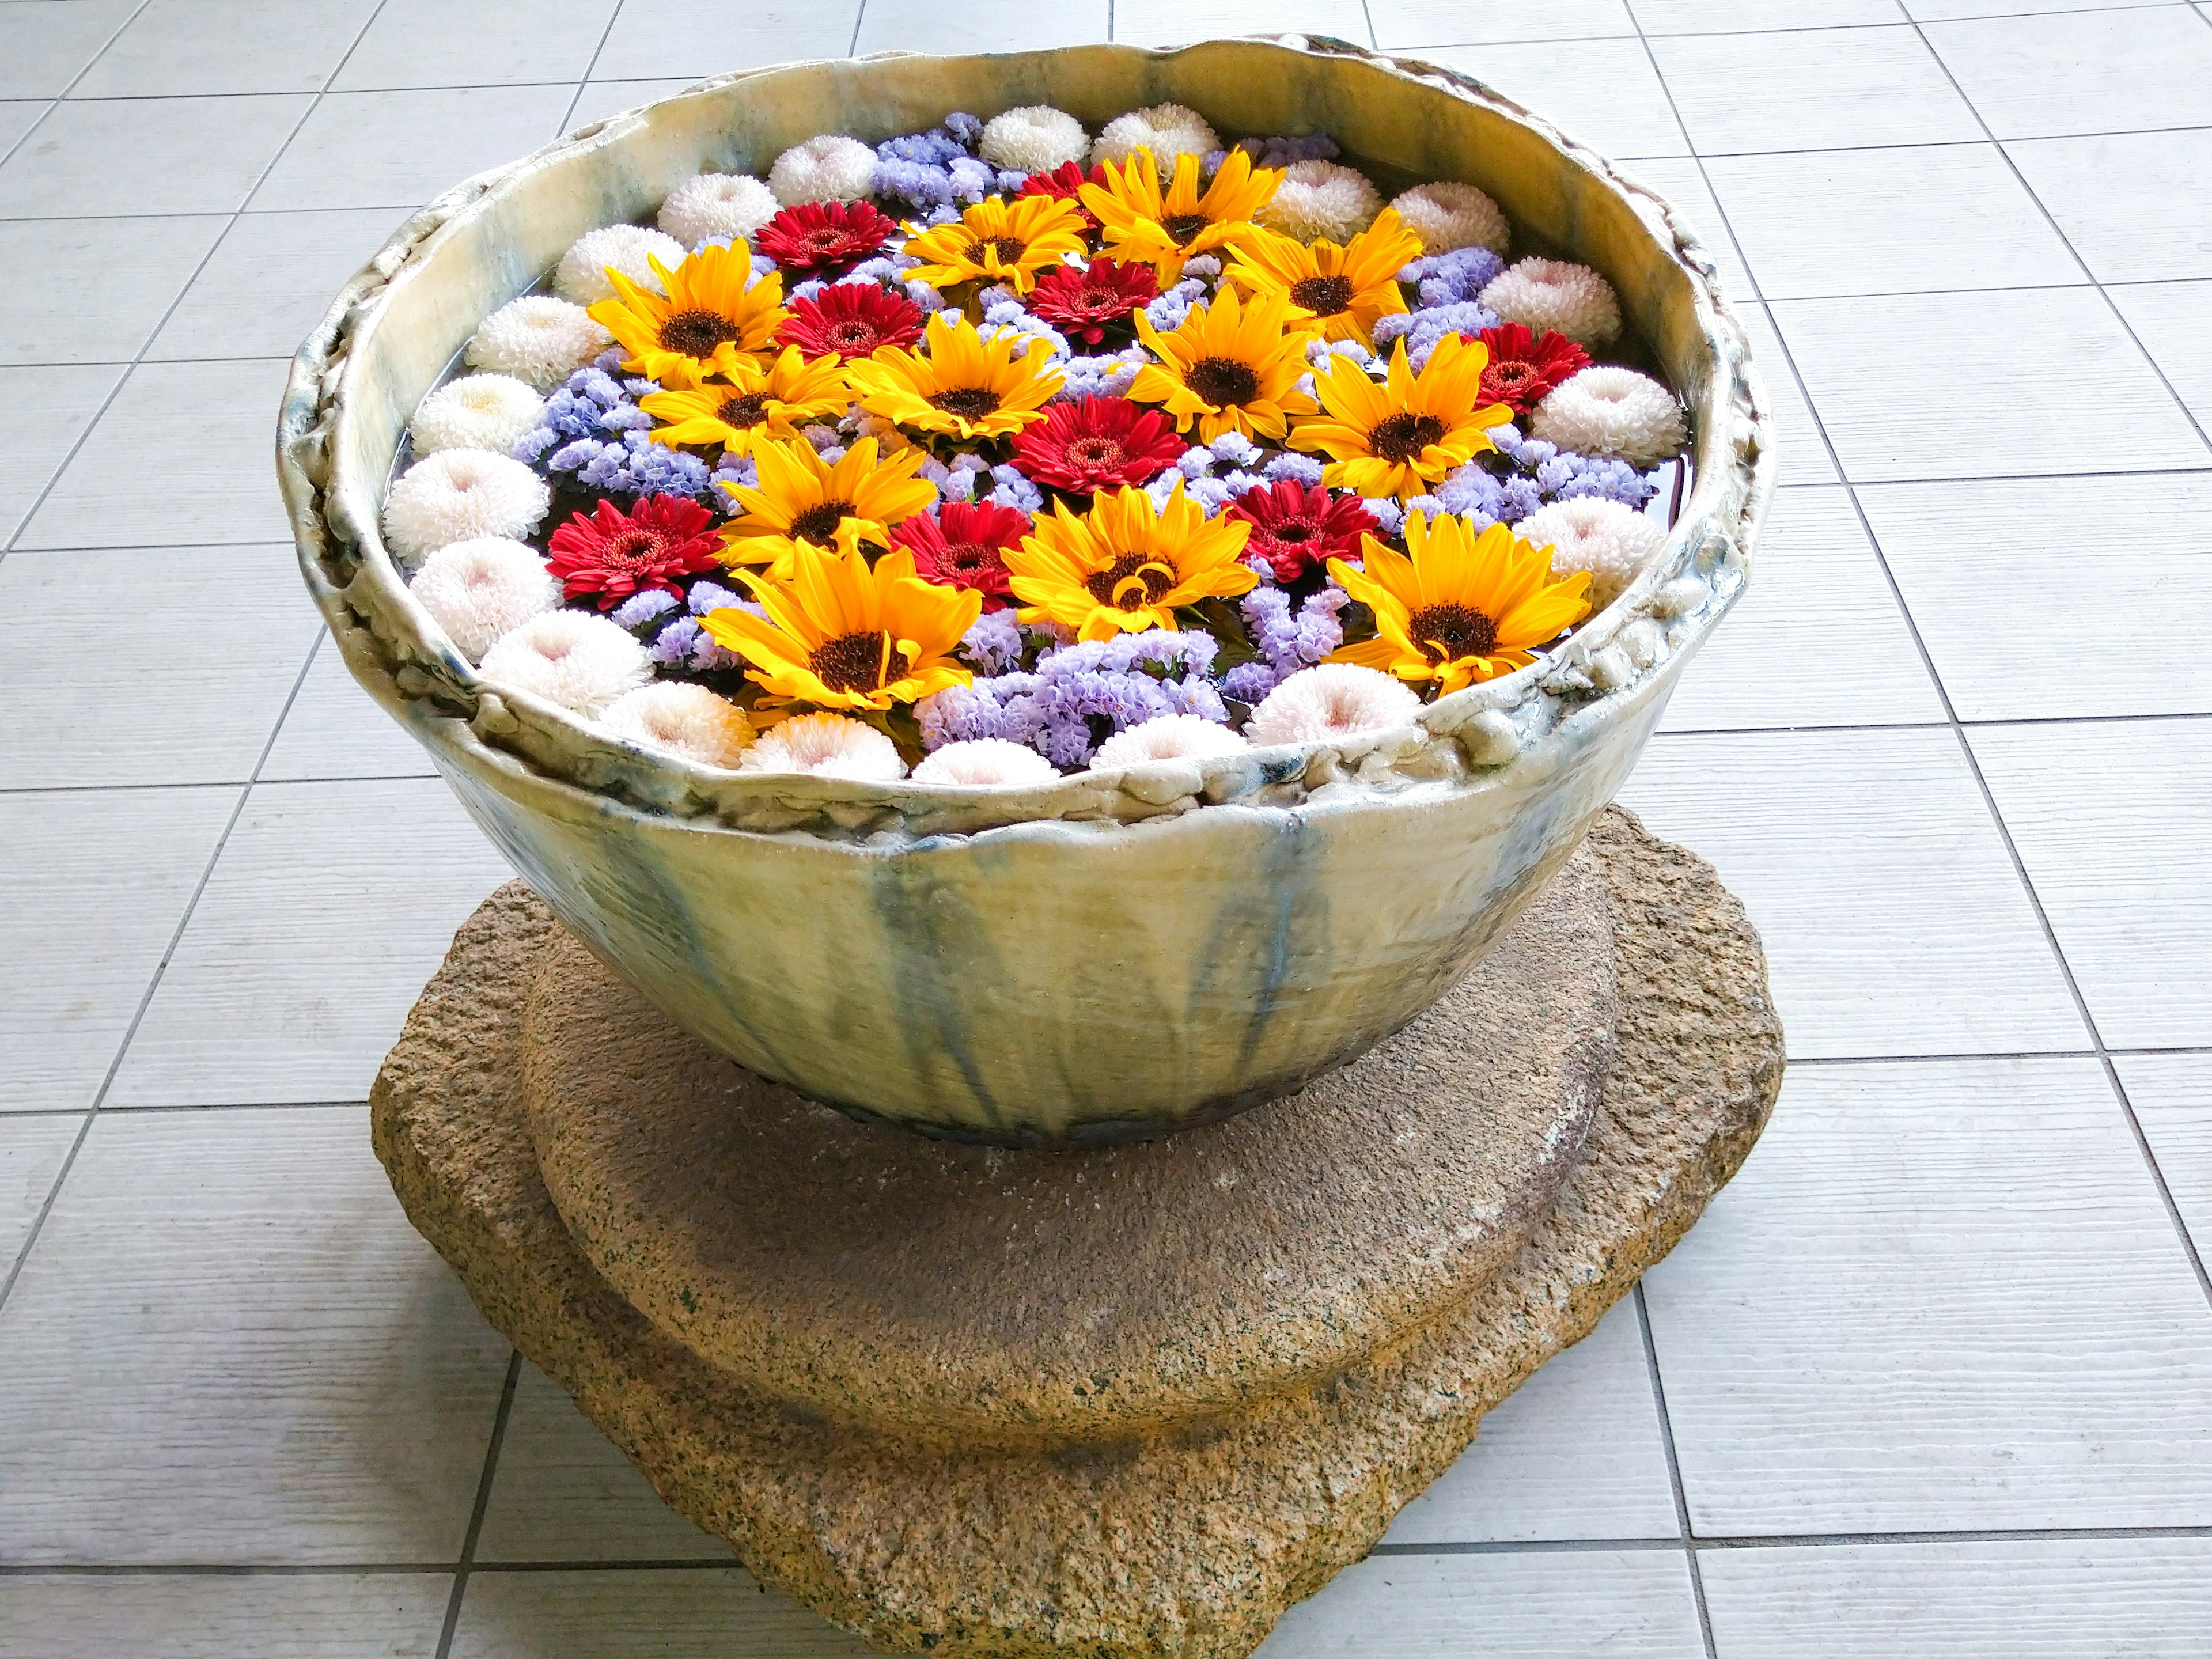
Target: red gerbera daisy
{"x":1066,"y":181}
{"x":854,"y":319}
{"x":1524,"y":367}
{"x":965,"y":545}
{"x":615,"y":553}
{"x":1096,"y":443}
{"x":1300,"y":527}
{"x":824,"y":239}
{"x":1083,"y":304}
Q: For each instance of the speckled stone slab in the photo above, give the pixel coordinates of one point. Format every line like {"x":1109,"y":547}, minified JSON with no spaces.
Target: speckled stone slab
{"x":1186,"y":1542}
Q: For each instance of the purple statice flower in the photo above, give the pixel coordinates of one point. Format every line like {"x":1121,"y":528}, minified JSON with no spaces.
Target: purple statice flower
{"x":1444,"y":278}
{"x":1014,"y":489}
{"x":1080,"y":694}
{"x":955,"y":481}
{"x":1389,"y":516}
{"x":705,"y":596}
{"x":741,"y":472}
{"x":594,"y":431}
{"x":1298,"y":469}
{"x":1081,"y":710}
{"x":1168,"y":311}
{"x":972,"y":180}
{"x":684,"y":644}
{"x":995,"y":643}
{"x":932,"y":148}
{"x":918,"y":184}
{"x":964,"y":128}
{"x":1281,"y":151}
{"x":1108,"y":376}
{"x":1531,"y":472}
{"x":1249,"y":683}
{"x":1201,"y":267}
{"x":1292,"y":637}
{"x":1011,"y":181}
{"x":1424,"y":328}
{"x":1002,"y":706}
{"x":1010,"y":316}
{"x":640,"y":608}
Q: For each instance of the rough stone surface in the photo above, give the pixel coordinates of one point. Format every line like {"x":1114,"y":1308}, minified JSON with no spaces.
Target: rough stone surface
{"x":1186,"y":1543}
{"x":1037,"y":1297}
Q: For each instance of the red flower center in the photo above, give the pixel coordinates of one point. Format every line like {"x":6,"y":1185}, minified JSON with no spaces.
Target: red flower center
{"x":1293,"y":530}
{"x":854,"y":337}
{"x":634,"y":549}
{"x":1101,"y":453}
{"x":1509,"y":378}
{"x":968,"y":556}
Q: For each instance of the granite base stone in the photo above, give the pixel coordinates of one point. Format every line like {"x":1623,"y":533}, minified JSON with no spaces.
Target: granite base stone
{"x":1126,"y":1403}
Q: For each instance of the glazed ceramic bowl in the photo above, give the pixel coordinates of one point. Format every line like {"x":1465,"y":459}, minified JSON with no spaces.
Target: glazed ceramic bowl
{"x":1112,"y":954}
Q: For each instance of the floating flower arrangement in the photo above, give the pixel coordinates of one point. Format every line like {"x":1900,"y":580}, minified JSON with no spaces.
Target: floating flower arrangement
{"x":1002,"y":450}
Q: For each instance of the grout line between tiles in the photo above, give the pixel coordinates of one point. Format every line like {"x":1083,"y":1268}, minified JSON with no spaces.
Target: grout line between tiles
{"x":462,"y":1568}
{"x":569,"y":119}
{"x":861,"y":17}
{"x":1685,"y":1541}
{"x":1711,"y":34}
{"x":55,"y":102}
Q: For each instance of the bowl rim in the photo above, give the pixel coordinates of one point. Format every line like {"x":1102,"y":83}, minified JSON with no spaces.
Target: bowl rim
{"x":1472,"y":737}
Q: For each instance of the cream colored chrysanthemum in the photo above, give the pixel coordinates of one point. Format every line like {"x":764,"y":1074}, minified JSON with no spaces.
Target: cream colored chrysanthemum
{"x":578,"y":660}
{"x":581,"y":275}
{"x":733,"y":204}
{"x":1035,"y":138}
{"x":826,"y":746}
{"x":684,"y":720}
{"x":478,"y":590}
{"x":537,"y":338}
{"x":456,"y":495}
{"x":1334,"y":700}
{"x":1166,"y":129}
{"x":1605,"y":410}
{"x":985,"y":760}
{"x":1318,"y":199}
{"x":1447,"y":216}
{"x":477,"y":411}
{"x":1613,"y":542}
{"x":825,"y":168}
{"x":1556,"y":294}
{"x":1168,"y":736}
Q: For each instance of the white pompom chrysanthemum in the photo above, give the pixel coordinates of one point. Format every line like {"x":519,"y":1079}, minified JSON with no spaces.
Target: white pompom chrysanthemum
{"x":480,"y":589}
{"x":825,"y":168}
{"x":1167,"y":737}
{"x":1613,"y":543}
{"x":717,"y":204}
{"x":537,"y":338}
{"x":1166,"y":129}
{"x":985,"y":760}
{"x":456,"y":495}
{"x":1321,"y":198}
{"x":1035,"y":138}
{"x":581,"y":661}
{"x":1333,"y":700}
{"x":477,"y":411}
{"x":1608,"y":411}
{"x":581,"y":275}
{"x":826,"y":746}
{"x":685,"y":719}
{"x":1556,"y":294}
{"x":1448,"y":215}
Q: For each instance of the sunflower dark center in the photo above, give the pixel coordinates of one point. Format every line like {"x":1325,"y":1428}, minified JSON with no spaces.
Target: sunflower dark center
{"x":1324,"y":296}
{"x":854,"y":337}
{"x":632,"y":549}
{"x":1096,"y":452}
{"x":818,"y":524}
{"x":1132,"y":582}
{"x":1222,"y":380}
{"x":1448,"y":632}
{"x":696,"y":333}
{"x":1401,"y":437}
{"x":851,"y":662}
{"x":750,"y":410}
{"x":1008,"y":248}
{"x":1183,"y":227}
{"x":966,"y":403}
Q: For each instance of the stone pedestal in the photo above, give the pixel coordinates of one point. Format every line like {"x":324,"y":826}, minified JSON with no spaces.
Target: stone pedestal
{"x":1117,"y":1403}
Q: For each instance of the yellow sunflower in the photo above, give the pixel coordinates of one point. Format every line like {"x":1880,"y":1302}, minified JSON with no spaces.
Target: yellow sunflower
{"x":1144,"y":224}
{"x":708,"y":316}
{"x":965,"y":384}
{"x":1465,"y":607}
{"x":844,"y":635}
{"x":1342,"y":289}
{"x":1400,"y":437}
{"x":998,"y":241}
{"x":752,"y":402}
{"x":1232,"y":366}
{"x":1123,"y":567}
{"x":802,"y":501}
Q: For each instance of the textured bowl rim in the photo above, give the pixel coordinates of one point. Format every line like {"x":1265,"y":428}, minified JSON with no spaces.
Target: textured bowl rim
{"x":1474,"y":736}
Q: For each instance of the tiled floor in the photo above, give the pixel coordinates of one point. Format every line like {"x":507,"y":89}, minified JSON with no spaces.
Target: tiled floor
{"x":1932,"y":1377}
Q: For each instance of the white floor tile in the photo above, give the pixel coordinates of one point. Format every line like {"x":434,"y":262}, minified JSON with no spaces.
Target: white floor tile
{"x":147,"y":155}
{"x":270,"y":282}
{"x":229,"y":1345}
{"x":1803,"y":456}
{"x":2003,"y":585}
{"x":236,"y":628}
{"x":2022,"y":1599}
{"x":2172,"y":1097}
{"x":1907,"y":1314}
{"x":696,"y":1612}
{"x":1603,"y":93}
{"x":32,"y":1153}
{"x":1174,"y":22}
{"x":1575,"y":1453}
{"x":689,"y":39}
{"x":43,"y":48}
{"x":1966,"y":401}
{"x":77,"y":963}
{"x":1889,"y":222}
{"x":2133,"y":206}
{"x":67,"y":399}
{"x":1937,"y":10}
{"x":18,"y":117}
{"x":94,"y":290}
{"x":1811,"y":90}
{"x":1745,"y":16}
{"x":228,"y":45}
{"x":1408,"y":25}
{"x":332,"y":905}
{"x":1818,"y":638}
{"x":223,"y":1616}
{"x":2082,"y":71}
{"x":123,"y":489}
{"x":1893,"y":920}
{"x":600,"y":99}
{"x":546,"y":40}
{"x":2169,"y":318}
{"x":1579,"y":1604}
{"x":2110,"y":819}
{"x":986,"y":25}
{"x":564,"y":1493}
{"x":1682,"y":182}
{"x":401,"y":149}
{"x":334,"y":729}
